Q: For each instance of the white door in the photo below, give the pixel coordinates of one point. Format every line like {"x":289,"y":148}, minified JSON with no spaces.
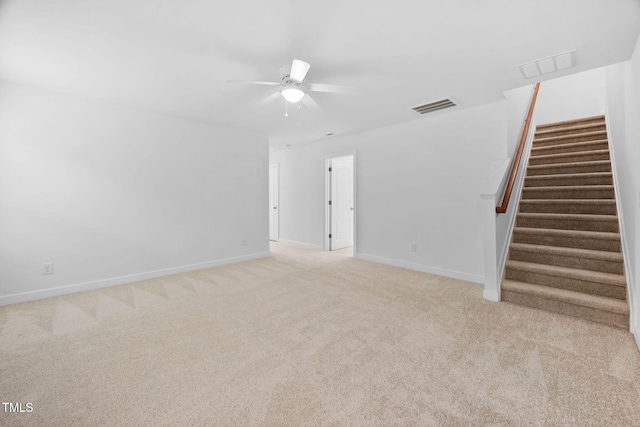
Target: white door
{"x":273,"y":202}
{"x":341,"y":203}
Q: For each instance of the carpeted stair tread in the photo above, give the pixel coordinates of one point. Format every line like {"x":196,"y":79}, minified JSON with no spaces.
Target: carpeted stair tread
{"x":606,"y":223}
{"x":583,"y":128}
{"x":569,"y":192}
{"x":576,"y":233}
{"x":568,"y":147}
{"x":570,"y":168}
{"x":554,"y":279}
{"x":576,"y":217}
{"x":583,"y":156}
{"x":571,"y":123}
{"x":573,"y":252}
{"x":586,"y":259}
{"x":574,"y":142}
{"x":569,"y":238}
{"x":588,"y":178}
{"x":541,"y":141}
{"x":569,"y":206}
{"x":577,"y":298}
{"x":571,"y":187}
{"x":573,"y":273}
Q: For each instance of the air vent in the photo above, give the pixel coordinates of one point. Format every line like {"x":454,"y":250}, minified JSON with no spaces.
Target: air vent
{"x":434,"y":106}
{"x":550,"y":64}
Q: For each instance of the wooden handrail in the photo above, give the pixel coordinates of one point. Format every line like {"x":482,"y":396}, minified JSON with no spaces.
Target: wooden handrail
{"x":516,"y":162}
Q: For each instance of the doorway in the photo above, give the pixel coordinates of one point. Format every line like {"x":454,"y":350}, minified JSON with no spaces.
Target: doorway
{"x":274,"y":215}
{"x":340,"y":212}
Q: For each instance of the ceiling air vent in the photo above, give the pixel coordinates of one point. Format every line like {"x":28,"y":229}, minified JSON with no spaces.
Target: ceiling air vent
{"x":550,"y":64}
{"x":434,"y":106}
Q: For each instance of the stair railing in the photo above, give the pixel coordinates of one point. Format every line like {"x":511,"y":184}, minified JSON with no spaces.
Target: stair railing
{"x":516,"y":161}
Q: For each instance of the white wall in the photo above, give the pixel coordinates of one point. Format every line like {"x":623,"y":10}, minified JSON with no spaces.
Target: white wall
{"x":112,"y":194}
{"x":518,"y":101}
{"x":572,"y":97}
{"x":416,"y":182}
{"x":623,"y":103}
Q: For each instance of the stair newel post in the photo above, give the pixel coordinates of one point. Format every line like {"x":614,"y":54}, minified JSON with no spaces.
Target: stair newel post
{"x":491,"y":285}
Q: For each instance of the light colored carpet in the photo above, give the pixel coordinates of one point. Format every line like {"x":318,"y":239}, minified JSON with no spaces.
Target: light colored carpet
{"x":310,"y":338}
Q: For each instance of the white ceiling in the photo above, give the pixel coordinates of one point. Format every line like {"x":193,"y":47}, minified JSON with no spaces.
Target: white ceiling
{"x":175,"y":56}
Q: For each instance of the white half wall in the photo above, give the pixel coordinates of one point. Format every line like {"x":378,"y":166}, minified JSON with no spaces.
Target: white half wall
{"x":112,"y":194}
{"x":518,"y":104}
{"x":416,"y":182}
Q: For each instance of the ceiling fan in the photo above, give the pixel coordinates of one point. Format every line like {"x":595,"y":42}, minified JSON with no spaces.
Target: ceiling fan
{"x":293,"y":87}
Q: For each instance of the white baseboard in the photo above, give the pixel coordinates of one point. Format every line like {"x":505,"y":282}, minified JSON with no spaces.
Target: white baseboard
{"x":423,"y":268}
{"x":297,"y":243}
{"x":98,"y":284}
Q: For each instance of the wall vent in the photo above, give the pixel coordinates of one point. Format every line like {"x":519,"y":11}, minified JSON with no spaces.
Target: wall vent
{"x":434,"y":106}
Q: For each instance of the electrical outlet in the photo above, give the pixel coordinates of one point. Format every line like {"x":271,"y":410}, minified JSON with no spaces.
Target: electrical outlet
{"x":414,"y":247}
{"x":47,"y":268}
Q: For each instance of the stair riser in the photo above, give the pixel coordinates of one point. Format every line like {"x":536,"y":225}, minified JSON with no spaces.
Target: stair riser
{"x":569,"y":169}
{"x":553,"y":181}
{"x":605,"y":266}
{"x":560,"y":141}
{"x":568,"y":224}
{"x":568,"y":208}
{"x":577,"y":157}
{"x":545,"y":193}
{"x":571,"y":131}
{"x":613,"y":319}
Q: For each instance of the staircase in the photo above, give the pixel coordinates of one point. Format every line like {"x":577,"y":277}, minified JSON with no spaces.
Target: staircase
{"x":565,"y":255}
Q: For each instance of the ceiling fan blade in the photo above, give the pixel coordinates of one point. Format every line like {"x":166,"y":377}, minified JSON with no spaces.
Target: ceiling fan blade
{"x":299,"y":70}
{"x":268,"y":99}
{"x":254,"y":82}
{"x":320,"y":87}
{"x":311,"y":104}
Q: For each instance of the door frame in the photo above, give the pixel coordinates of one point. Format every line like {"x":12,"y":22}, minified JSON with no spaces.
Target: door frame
{"x":277,"y":167}
{"x":327,"y":192}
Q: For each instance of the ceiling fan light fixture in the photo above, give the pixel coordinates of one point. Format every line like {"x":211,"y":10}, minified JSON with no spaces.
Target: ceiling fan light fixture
{"x":292,"y":95}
